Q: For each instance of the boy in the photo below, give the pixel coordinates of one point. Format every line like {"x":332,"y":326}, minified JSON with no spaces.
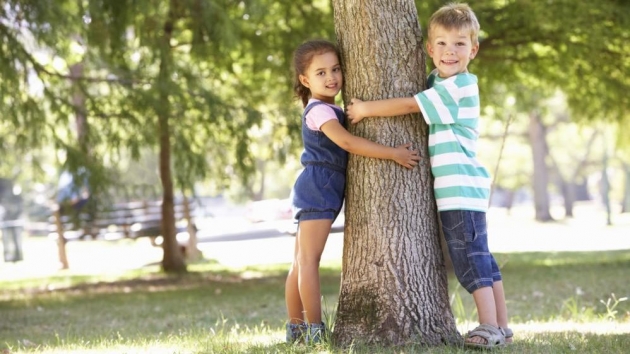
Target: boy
{"x":462,"y":185}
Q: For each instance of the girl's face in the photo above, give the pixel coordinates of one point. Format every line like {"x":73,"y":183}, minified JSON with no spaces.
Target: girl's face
{"x":323,"y":77}
{"x":451,"y":50}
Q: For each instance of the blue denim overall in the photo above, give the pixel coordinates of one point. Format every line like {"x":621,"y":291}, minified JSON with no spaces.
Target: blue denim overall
{"x":319,"y":190}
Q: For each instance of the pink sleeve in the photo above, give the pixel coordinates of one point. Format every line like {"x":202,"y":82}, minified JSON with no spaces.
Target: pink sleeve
{"x":319,"y":115}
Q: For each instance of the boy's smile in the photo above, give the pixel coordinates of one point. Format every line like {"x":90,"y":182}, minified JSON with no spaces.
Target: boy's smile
{"x":451,"y":50}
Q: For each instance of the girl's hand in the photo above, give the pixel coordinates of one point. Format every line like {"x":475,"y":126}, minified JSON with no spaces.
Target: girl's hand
{"x":405,"y":156}
{"x":354,"y":111}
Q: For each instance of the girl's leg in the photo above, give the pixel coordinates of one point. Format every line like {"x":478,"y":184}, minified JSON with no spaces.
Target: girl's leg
{"x":292,"y":292}
{"x":311,"y":239}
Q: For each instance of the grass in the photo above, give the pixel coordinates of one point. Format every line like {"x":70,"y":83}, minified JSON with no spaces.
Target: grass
{"x":559,"y":302}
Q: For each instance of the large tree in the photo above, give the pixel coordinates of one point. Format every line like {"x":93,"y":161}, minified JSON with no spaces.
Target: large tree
{"x":394,"y":286}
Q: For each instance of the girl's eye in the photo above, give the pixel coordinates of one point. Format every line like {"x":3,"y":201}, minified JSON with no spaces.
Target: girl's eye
{"x":337,"y":70}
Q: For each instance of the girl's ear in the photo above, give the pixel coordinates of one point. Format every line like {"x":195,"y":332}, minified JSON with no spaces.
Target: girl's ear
{"x":304,"y":81}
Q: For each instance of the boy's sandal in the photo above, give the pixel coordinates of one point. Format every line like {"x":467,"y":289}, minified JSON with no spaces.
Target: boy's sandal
{"x":508,"y":335}
{"x":494,"y":337}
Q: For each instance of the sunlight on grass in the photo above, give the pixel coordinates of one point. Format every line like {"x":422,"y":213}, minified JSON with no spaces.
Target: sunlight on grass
{"x":559,"y":302}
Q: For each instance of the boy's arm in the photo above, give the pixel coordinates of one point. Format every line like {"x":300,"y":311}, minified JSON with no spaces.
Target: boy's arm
{"x":357,"y":109}
{"x":359,"y":146}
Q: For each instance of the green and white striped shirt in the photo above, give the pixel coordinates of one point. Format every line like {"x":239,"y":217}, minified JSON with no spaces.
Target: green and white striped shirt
{"x":451,"y":109}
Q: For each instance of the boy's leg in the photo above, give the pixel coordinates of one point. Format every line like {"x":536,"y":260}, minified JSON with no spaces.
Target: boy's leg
{"x":501,"y":307}
{"x":311,"y":240}
{"x":465,"y":233}
{"x":486,"y":311}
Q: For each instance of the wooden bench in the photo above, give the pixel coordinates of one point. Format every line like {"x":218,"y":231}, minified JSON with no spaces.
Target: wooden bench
{"x":129,"y":220}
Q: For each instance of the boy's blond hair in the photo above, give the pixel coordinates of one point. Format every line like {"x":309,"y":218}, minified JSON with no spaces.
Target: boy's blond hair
{"x":456,"y":16}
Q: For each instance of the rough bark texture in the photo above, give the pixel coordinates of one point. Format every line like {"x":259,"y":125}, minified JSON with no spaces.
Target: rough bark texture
{"x":394,"y":285}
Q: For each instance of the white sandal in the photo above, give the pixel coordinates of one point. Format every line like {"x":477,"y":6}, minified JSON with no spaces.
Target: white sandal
{"x":494,"y":336}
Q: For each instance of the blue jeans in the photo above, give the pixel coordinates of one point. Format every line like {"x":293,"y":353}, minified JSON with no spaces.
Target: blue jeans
{"x":466,"y":235}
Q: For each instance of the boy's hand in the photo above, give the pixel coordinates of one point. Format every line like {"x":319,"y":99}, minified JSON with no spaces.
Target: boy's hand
{"x":405,"y":156}
{"x":354,"y":111}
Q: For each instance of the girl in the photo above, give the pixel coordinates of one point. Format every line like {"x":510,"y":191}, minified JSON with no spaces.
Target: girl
{"x":319,"y":190}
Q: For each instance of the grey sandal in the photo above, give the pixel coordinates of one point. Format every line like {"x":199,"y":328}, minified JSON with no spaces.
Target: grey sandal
{"x":508,"y":334}
{"x":494,"y":336}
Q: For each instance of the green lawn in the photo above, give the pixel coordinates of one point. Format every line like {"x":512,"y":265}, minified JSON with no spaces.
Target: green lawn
{"x":559,"y":303}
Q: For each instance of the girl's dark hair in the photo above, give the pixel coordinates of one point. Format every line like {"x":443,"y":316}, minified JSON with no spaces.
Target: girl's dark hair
{"x":302,"y":58}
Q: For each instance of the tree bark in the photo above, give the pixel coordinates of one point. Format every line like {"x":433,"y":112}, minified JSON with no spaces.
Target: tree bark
{"x":173,"y":260}
{"x":394,"y":284}
{"x":538,"y":142}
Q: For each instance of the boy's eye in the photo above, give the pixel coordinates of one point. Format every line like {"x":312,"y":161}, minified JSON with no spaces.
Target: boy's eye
{"x":336,"y":70}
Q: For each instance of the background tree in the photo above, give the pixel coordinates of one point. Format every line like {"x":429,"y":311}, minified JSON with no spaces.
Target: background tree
{"x":145,"y":66}
{"x":393,"y":286}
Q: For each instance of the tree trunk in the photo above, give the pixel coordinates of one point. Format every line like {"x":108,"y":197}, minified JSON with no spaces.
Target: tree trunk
{"x":568,"y":186}
{"x":625,"y":204}
{"x":394,"y":284}
{"x":605,"y":185}
{"x":61,"y":240}
{"x":537,"y":140}
{"x":192,"y":251}
{"x":173,"y":260}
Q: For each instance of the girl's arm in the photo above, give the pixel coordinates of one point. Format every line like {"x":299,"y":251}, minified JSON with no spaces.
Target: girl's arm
{"x":357,"y":109}
{"x":360,"y":146}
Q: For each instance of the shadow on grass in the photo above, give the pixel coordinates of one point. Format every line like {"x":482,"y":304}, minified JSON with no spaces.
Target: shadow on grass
{"x":212,"y":299}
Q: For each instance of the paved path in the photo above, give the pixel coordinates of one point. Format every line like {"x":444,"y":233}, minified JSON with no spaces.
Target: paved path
{"x":507,"y":233}
{"x":515,"y":233}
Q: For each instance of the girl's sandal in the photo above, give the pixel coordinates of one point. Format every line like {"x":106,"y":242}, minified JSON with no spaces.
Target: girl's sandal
{"x":508,"y":335}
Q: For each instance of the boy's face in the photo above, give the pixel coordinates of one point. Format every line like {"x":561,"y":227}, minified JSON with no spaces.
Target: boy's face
{"x":323,"y":77}
{"x":451,"y":50}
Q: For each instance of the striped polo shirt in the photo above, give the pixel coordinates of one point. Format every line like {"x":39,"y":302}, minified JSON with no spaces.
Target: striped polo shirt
{"x":451,"y":109}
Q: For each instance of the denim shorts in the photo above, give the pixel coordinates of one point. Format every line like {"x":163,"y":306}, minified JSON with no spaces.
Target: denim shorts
{"x":318,"y":193}
{"x":466,"y":235}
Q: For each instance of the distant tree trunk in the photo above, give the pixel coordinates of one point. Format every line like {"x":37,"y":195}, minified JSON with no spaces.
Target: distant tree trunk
{"x":61,"y":241}
{"x":78,"y":101}
{"x":568,"y":185}
{"x":625,"y":204}
{"x":538,"y":142}
{"x":394,"y":284}
{"x":173,"y":260}
{"x":605,"y":185}
{"x":81,"y":124}
{"x":192,"y":251}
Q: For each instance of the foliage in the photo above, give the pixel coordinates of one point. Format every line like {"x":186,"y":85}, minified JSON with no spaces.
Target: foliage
{"x":229,"y":69}
{"x":537,"y":47}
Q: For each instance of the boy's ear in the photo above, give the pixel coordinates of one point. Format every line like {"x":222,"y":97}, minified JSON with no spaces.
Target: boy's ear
{"x":430,"y":49}
{"x":304,"y":81}
{"x":474,"y":51}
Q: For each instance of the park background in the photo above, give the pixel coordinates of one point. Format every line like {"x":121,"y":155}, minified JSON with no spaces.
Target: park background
{"x":100,"y":87}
